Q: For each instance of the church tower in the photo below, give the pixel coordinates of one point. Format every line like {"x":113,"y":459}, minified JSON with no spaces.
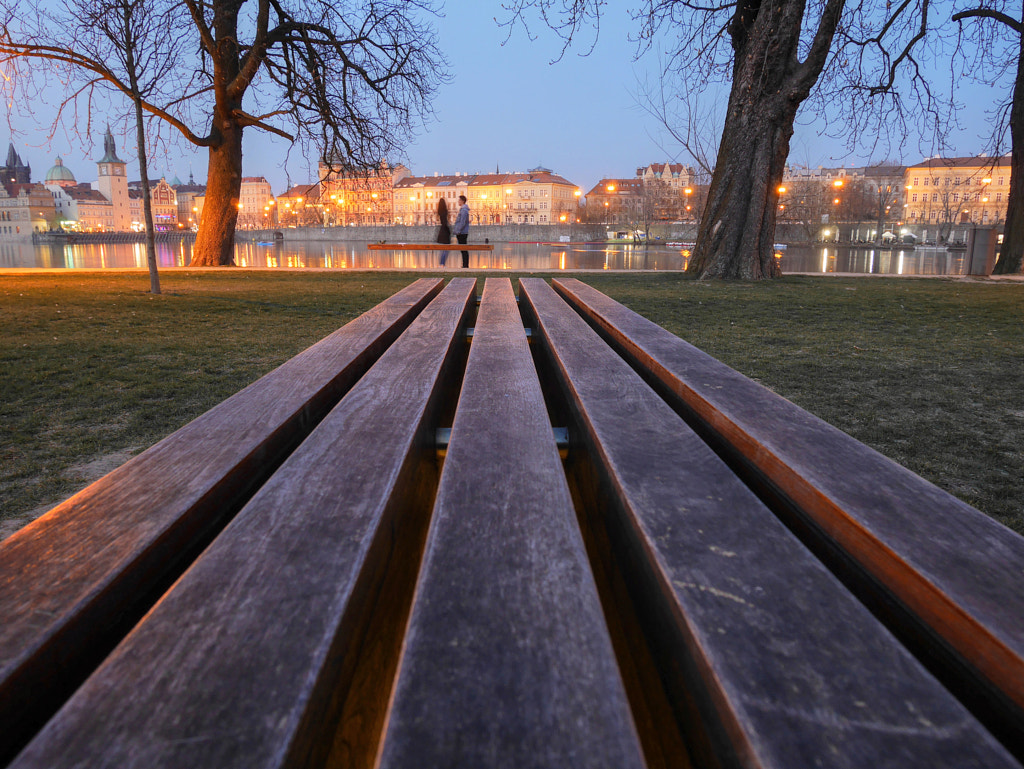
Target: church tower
{"x":113,"y":184}
{"x":15,"y":171}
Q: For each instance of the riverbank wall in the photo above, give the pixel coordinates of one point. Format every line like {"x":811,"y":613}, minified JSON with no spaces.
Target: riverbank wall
{"x":493,"y":233}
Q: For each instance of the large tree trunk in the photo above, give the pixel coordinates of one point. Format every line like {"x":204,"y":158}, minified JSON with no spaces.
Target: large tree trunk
{"x":215,"y":241}
{"x":1012,"y":252}
{"x":736,"y":238}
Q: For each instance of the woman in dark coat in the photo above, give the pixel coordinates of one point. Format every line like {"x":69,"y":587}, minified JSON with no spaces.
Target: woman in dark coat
{"x":444,"y":233}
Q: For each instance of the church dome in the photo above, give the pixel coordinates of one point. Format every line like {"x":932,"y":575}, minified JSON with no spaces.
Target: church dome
{"x":60,"y":174}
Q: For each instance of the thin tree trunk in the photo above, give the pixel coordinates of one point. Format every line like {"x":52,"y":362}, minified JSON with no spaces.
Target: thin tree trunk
{"x":140,"y":138}
{"x":215,"y":241}
{"x":1011,"y":254}
{"x":147,"y":201}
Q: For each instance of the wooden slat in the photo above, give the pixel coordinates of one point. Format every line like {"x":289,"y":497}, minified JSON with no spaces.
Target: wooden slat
{"x":783,"y":665}
{"x":77,"y":578}
{"x":429,"y":247}
{"x":248,"y":660}
{"x":950,"y":574}
{"x":508,"y":662}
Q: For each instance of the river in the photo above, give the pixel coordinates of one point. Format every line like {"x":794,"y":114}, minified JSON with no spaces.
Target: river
{"x":506,"y":256}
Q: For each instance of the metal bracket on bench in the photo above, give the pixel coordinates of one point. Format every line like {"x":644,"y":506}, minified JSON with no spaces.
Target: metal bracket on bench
{"x":471,"y":332}
{"x":443,"y":436}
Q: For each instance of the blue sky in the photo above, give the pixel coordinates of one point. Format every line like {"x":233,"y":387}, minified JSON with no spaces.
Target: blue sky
{"x":508,"y":107}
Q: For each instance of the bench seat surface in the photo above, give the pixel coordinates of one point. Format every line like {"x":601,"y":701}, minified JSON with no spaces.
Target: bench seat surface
{"x":236,"y":665}
{"x":905,"y":533}
{"x":792,"y":667}
{"x":77,"y":577}
{"x":507,"y":623}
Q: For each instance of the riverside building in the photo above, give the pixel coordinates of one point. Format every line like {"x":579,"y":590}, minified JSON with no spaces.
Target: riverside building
{"x":966,"y":190}
{"x":539,"y":196}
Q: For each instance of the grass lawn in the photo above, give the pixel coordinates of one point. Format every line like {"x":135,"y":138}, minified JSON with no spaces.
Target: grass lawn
{"x":93,"y":369}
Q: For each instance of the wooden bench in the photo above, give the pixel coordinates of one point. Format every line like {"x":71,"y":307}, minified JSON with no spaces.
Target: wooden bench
{"x":354,"y":597}
{"x":430,"y":247}
{"x":78,"y":578}
{"x":942,"y":575}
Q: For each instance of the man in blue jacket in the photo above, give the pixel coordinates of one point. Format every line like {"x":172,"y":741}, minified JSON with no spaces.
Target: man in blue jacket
{"x":461,"y":228}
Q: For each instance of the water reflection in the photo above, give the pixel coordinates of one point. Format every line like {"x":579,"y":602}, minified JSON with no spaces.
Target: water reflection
{"x":506,"y":256}
{"x":350,"y":255}
{"x":922,"y":260}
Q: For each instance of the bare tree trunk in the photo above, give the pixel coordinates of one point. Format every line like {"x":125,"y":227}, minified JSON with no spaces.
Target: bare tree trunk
{"x":215,"y":241}
{"x":737,"y":229}
{"x":130,"y":43}
{"x":147,"y":201}
{"x":736,"y":238}
{"x":1012,"y":252}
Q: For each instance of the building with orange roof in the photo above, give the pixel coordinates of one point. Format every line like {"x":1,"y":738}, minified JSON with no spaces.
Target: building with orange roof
{"x":611,"y":199}
{"x":359,"y":197}
{"x":302,"y":206}
{"x":80,"y":207}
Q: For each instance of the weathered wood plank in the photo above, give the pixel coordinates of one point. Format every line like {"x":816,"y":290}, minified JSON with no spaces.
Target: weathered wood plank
{"x":507,"y":661}
{"x":950,"y":575}
{"x":429,"y":247}
{"x":247,"y":661}
{"x":784,"y":667}
{"x":76,"y":579}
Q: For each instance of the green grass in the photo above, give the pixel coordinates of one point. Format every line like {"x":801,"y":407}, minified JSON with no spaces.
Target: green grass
{"x":93,"y":369}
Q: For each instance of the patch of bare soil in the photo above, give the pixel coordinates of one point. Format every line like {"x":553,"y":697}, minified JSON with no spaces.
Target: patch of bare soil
{"x":83,"y":473}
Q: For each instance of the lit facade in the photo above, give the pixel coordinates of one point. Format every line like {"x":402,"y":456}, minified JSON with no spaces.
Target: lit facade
{"x":164,"y":202}
{"x":611,"y":200}
{"x":359,"y":198}
{"x":539,"y":196}
{"x":958,"y":191}
{"x":25,"y":209}
{"x":675,"y":176}
{"x":188,"y":218}
{"x":81,"y":208}
{"x":256,"y":203}
{"x":301,"y":206}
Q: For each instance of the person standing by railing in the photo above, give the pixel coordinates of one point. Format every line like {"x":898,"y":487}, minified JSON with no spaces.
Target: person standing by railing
{"x":461,"y":228}
{"x":444,"y":233}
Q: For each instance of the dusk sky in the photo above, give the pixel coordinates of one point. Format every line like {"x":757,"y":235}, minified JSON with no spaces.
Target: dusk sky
{"x":507,"y":107}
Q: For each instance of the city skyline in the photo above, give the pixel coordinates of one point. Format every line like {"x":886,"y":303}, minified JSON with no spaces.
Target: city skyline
{"x":507,"y":108}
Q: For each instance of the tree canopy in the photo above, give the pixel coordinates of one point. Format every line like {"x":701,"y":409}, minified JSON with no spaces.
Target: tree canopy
{"x":866,"y":67}
{"x":350,"y":79}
